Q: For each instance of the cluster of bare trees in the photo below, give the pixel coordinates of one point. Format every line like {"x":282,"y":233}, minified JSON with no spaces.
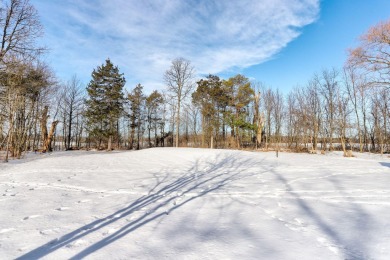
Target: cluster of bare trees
{"x":344,"y":109}
{"x":338,"y":108}
{"x":70,"y":110}
{"x":25,"y":83}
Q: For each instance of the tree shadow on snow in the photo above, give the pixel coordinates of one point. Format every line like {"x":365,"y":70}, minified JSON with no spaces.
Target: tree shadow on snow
{"x":350,"y":246}
{"x":386,"y":164}
{"x":168,"y":194}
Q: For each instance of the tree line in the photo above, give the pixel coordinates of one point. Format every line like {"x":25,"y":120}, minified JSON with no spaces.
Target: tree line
{"x":345,"y":109}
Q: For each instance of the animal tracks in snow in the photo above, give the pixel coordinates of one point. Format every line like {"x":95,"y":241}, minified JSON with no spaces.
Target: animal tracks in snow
{"x":36,"y":185}
{"x":299,"y":225}
{"x":372,"y":197}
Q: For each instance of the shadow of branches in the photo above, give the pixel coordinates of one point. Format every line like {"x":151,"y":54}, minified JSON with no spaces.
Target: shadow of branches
{"x":349,"y":246}
{"x":162,"y":199}
{"x":385,"y":164}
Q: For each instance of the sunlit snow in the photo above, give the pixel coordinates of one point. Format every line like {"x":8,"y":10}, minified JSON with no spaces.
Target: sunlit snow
{"x":167,"y":203}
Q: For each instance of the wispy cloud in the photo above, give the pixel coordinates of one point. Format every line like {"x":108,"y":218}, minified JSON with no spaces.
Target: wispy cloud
{"x":142,"y":37}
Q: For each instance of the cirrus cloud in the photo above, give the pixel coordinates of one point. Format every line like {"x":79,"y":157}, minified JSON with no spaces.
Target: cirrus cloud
{"x":142,"y":37}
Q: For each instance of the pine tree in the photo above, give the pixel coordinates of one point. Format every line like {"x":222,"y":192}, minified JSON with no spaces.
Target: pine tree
{"x":137,"y":100}
{"x":104,"y":105}
{"x":209,"y":96}
{"x":240,"y":95}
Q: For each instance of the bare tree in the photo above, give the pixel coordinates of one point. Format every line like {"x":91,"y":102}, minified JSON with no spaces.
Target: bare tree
{"x":278,"y":104}
{"x":329,"y":88}
{"x":258,"y":118}
{"x":356,"y":87}
{"x":314,"y":112}
{"x":380,"y":110}
{"x":193,"y":112}
{"x":19,"y":28}
{"x":26,"y":88}
{"x":23,"y":79}
{"x":342,"y":122}
{"x":373,"y":54}
{"x":71,"y":105}
{"x":47,"y":136}
{"x":292,"y":119}
{"x":268,"y":108}
{"x":153,"y":103}
{"x":179,"y":80}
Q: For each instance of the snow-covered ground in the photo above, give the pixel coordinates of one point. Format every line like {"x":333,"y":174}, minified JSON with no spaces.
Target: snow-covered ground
{"x":168,"y":203}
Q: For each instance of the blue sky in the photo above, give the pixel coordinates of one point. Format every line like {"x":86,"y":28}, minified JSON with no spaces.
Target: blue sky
{"x":281,"y":43}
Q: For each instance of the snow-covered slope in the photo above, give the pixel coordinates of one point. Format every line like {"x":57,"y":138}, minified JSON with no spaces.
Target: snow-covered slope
{"x":167,"y":203}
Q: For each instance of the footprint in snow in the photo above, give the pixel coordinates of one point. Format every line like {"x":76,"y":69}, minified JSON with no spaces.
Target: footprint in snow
{"x":22,"y":249}
{"x":89,"y":227}
{"x":9,"y":194}
{"x":110,"y":231}
{"x":329,"y":245}
{"x":294,"y":227}
{"x":77,"y":243}
{"x":62,"y":208}
{"x":131,"y":219}
{"x":299,"y":221}
{"x":6,"y":230}
{"x":48,"y":232}
{"x":83,"y":201}
{"x":32,"y":216}
{"x":115,"y":216}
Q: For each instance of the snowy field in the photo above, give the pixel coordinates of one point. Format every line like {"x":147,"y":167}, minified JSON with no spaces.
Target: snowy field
{"x":167,"y":203}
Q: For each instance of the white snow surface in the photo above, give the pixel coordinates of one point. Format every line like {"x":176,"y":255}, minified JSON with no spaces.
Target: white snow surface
{"x":183,"y":203}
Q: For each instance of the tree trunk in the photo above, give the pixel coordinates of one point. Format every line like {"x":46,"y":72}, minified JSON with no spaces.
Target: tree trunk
{"x":70,"y":128}
{"x":109,"y":143}
{"x":132,"y":134}
{"x":44,"y":127}
{"x":8,"y":144}
{"x":50,"y":136}
{"x":178,"y":122}
{"x":149,"y":132}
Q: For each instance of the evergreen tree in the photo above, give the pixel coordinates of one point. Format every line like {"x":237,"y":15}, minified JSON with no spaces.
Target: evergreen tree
{"x":137,"y":100}
{"x":105,"y":103}
{"x":209,"y":96}
{"x":240,"y":95}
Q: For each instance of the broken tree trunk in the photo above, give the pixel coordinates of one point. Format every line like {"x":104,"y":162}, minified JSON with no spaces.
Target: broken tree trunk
{"x":47,"y":137}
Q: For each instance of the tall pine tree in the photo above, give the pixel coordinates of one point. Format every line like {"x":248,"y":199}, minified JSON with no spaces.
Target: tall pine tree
{"x":104,"y":105}
{"x":136,"y":99}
